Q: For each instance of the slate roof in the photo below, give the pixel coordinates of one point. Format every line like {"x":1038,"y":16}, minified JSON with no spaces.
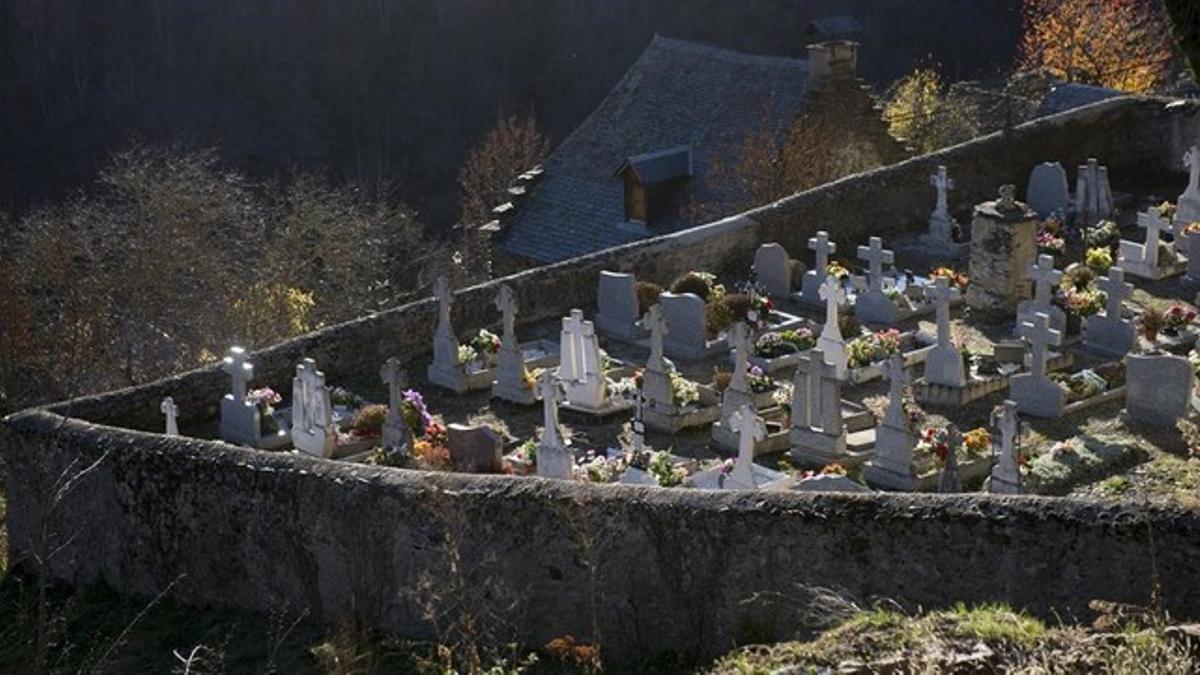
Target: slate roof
{"x":653,"y":167}
{"x":676,"y":94}
{"x":1068,"y":96}
{"x":829,"y":27}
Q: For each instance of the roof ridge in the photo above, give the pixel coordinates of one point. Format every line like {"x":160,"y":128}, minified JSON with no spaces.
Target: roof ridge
{"x":726,"y":53}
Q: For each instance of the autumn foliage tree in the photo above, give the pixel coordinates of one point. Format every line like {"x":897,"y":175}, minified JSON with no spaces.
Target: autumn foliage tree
{"x":924,"y":116}
{"x":1122,"y":44}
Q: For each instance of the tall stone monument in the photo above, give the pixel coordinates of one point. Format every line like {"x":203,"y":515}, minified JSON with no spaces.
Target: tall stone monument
{"x":1003,"y":249}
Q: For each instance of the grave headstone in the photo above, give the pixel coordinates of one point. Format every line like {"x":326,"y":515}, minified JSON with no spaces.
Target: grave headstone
{"x":580,"y":368}
{"x":445,"y":370}
{"x":313,"y":432}
{"x":1003,"y":248}
{"x":1035,"y":393}
{"x":1187,"y":207}
{"x":1142,"y":260}
{"x":1108,"y":333}
{"x":617,"y":306}
{"x":511,"y":375}
{"x":396,"y":433}
{"x":1045,"y":279}
{"x":554,"y":459}
{"x":240,"y":421}
{"x":656,"y":381}
{"x":475,"y":449}
{"x":831,"y":343}
{"x":1159,"y":388}
{"x":773,"y":270}
{"x":892,"y":465}
{"x":810,"y":287}
{"x":1093,"y":195}
{"x":687,"y":336}
{"x":1192,"y":242}
{"x":941,"y":225}
{"x":873,"y":305}
{"x":750,"y":429}
{"x":944,"y":363}
{"x":818,"y":432}
{"x":1048,"y":194}
{"x":171,"y":412}
{"x":1006,"y":471}
{"x":737,"y":393}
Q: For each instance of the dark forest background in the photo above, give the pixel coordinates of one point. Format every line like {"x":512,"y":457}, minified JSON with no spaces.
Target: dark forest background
{"x":386,"y":94}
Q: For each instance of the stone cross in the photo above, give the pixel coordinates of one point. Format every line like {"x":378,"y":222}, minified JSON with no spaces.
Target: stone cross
{"x":1007,"y":200}
{"x":240,"y":370}
{"x":823,"y":247}
{"x":507,"y":305}
{"x":445,"y":297}
{"x":750,"y":429}
{"x":656,"y":323}
{"x":1006,"y":472}
{"x":393,"y":375}
{"x":1116,"y":291}
{"x":897,"y":375}
{"x":1039,"y":334}
{"x":307,"y":399}
{"x":739,"y":340}
{"x":944,"y":183}
{"x":833,"y":294}
{"x":1154,"y":224}
{"x":876,"y":256}
{"x":942,"y":294}
{"x":1044,"y":277}
{"x":549,"y":390}
{"x":171,"y":411}
{"x":574,"y":361}
{"x":1191,"y":160}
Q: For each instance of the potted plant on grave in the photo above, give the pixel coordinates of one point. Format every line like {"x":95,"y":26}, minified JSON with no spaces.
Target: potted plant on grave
{"x":265,"y":399}
{"x":1177,"y":320}
{"x":957,"y":279}
{"x":717,"y":313}
{"x":781,"y":343}
{"x":1098,"y":259}
{"x":1104,"y":234}
{"x":868,"y":349}
{"x":758,"y":381}
{"x":1081,"y":385}
{"x":933,"y":448}
{"x":1152,"y":320}
{"x":365,"y":427}
{"x":1166,"y":210}
{"x":837,"y":270}
{"x":665,"y":471}
{"x":1049,"y":243}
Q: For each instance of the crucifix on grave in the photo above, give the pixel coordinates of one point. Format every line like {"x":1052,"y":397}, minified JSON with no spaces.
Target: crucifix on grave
{"x":506,"y":304}
{"x":897,"y":375}
{"x":1045,"y":278}
{"x":396,"y":433}
{"x":823,"y":248}
{"x":751,"y":429}
{"x":445,"y":298}
{"x":1040,"y":336}
{"x":876,"y":257}
{"x":1006,"y":471}
{"x":739,"y":340}
{"x":1116,"y":291}
{"x":944,"y":363}
{"x":831,"y":341}
{"x":942,"y":295}
{"x":445,"y":370}
{"x":656,"y":323}
{"x":240,"y":418}
{"x":1153,"y":222}
{"x":169,"y":409}
{"x":510,"y":362}
{"x":943,"y":183}
{"x":818,"y":431}
{"x":241,"y":370}
{"x":550,"y":391}
{"x":313,"y":432}
{"x":949,"y":482}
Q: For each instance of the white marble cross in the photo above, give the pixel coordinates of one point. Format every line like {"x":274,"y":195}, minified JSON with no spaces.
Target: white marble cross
{"x":739,"y":340}
{"x":1154,"y":224}
{"x":171,"y":411}
{"x":1044,"y":277}
{"x":574,"y":367}
{"x":1191,"y":160}
{"x":1006,"y":472}
{"x":548,"y":388}
{"x":507,"y":305}
{"x":445,"y":297}
{"x":750,"y":429}
{"x":833,"y":294}
{"x":393,"y":375}
{"x":656,"y":323}
{"x":240,"y":370}
{"x":1007,"y":199}
{"x":942,"y":181}
{"x":876,"y":256}
{"x":942,"y":294}
{"x":823,"y":248}
{"x":1039,"y":334}
{"x":897,"y":375}
{"x":1116,"y":291}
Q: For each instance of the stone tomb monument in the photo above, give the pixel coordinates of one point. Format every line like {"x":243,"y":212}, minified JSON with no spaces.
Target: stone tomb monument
{"x":818,"y":431}
{"x":1034,"y":393}
{"x":241,"y":421}
{"x":891,"y":467}
{"x":810,"y":287}
{"x":1047,"y":193}
{"x":313,"y":431}
{"x":687,"y":335}
{"x":1159,"y":388}
{"x":873,"y":305}
{"x":554,"y":459}
{"x":511,"y":376}
{"x":1003,"y":248}
{"x":1006,"y":467}
{"x":397,"y":436}
{"x":773,"y":270}
{"x":1045,"y":280}
{"x":1093,"y":196}
{"x":1187,"y":208}
{"x":1145,"y":260}
{"x":1109,"y":334}
{"x":617,"y":307}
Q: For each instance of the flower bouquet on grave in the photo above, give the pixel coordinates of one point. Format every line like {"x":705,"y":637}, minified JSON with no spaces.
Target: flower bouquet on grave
{"x":595,"y":467}
{"x":265,"y":399}
{"x":1079,"y":303}
{"x":367,"y":422}
{"x":775,"y":344}
{"x":868,"y":349}
{"x":486,"y":345}
{"x":1081,"y":385}
{"x":758,"y":381}
{"x":1178,"y":319}
{"x":664,"y":470}
{"x":1166,"y":210}
{"x":1051,"y":244}
{"x":957,"y":279}
{"x":1103,"y":234}
{"x":760,"y":310}
{"x":1191,"y":228}
{"x":523,"y":460}
{"x":1098,"y":259}
{"x":837,"y":270}
{"x":934,"y":447}
{"x":1194,"y":359}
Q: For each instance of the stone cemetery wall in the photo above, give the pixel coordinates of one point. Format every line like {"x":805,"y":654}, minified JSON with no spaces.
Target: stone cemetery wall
{"x":666,"y":568}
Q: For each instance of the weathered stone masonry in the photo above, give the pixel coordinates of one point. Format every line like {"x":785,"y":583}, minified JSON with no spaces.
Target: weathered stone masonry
{"x":671,"y":568}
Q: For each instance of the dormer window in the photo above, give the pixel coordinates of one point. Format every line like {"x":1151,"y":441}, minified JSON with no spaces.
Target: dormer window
{"x":653,"y":183}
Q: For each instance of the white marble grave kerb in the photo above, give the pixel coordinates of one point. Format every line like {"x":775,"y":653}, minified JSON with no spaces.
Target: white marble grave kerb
{"x":1108,"y":333}
{"x":873,"y":305}
{"x":1034,"y":393}
{"x":553,"y":458}
{"x":171,"y":411}
{"x":1045,"y":279}
{"x":944,"y":364}
{"x":511,"y":374}
{"x":313,"y":432}
{"x":831,"y":343}
{"x":1006,"y":470}
{"x":580,"y":368}
{"x":396,"y":433}
{"x":810,"y":289}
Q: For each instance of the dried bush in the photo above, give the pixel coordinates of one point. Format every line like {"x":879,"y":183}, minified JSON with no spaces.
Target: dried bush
{"x":647,"y":296}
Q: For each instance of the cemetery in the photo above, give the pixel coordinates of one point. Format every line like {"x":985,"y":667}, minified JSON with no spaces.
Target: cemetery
{"x":871,"y":360}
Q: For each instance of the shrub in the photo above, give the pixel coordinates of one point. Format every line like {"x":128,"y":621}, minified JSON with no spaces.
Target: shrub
{"x":647,"y":296}
{"x":738,"y":305}
{"x":1153,"y":319}
{"x":717,"y":317}
{"x":848,"y":326}
{"x":369,"y":421}
{"x":692,"y":282}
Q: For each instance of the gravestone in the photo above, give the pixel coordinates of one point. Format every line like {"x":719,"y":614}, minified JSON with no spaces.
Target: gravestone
{"x":892,"y":465}
{"x":1142,"y":260}
{"x":396,"y":433}
{"x":656,"y":381}
{"x":773,"y":270}
{"x":579,"y":367}
{"x":1192,"y":242}
{"x":554,"y":459}
{"x":810,"y":287}
{"x":941,"y":225}
{"x":1045,"y":279}
{"x":750,"y":429}
{"x":1003,"y":248}
{"x":1093,"y":196}
{"x":950,"y":482}
{"x":1035,"y":393}
{"x":445,"y":370}
{"x":171,"y":412}
{"x":1108,"y":333}
{"x":687,"y":331}
{"x":1006,"y":469}
{"x":818,"y":432}
{"x":240,"y":423}
{"x":944,"y":363}
{"x":1159,"y":388}
{"x":1048,"y":194}
{"x":617,"y":306}
{"x":873,"y":305}
{"x":475,"y":449}
{"x":1187,"y":207}
{"x":738,"y":393}
{"x":511,"y":375}
{"x":313,"y":432}
{"x":831,"y":342}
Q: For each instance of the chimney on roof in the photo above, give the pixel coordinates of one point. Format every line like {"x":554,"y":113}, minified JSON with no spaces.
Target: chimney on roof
{"x":833,"y":59}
